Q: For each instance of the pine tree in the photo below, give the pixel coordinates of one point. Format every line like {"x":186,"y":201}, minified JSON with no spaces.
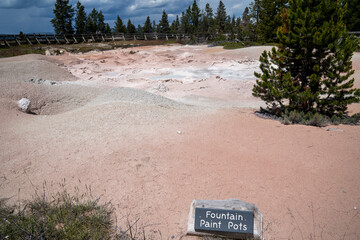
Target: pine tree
{"x":119,"y":26}
{"x":267,"y":14}
{"x":80,"y":19}
{"x":352,"y":16}
{"x":91,"y":25}
{"x":64,"y":13}
{"x":247,"y":27}
{"x":107,"y":28}
{"x":208,"y":20}
{"x":139,"y":29}
{"x":190,"y":26}
{"x":195,"y":16}
{"x":209,"y":11}
{"x":310,"y":69}
{"x":164,"y":23}
{"x":154,"y":26}
{"x":184,"y":23}
{"x":101,"y":22}
{"x":147,"y":26}
{"x":174,"y":28}
{"x":130,"y":27}
{"x":221,"y":17}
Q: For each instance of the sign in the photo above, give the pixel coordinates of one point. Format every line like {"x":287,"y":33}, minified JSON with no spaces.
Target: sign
{"x":225,"y":221}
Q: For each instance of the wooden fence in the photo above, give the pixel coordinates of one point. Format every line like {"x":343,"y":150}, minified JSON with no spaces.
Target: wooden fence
{"x":21,"y":39}
{"x":13,"y":40}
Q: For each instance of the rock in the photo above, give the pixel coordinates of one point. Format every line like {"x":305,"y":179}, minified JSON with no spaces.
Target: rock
{"x":24,"y":105}
{"x":162,"y":88}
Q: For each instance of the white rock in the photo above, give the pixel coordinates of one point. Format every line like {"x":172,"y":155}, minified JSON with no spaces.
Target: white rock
{"x":24,"y":105}
{"x":162,"y":88}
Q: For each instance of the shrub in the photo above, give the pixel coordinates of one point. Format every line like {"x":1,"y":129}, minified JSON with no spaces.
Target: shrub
{"x":60,"y":217}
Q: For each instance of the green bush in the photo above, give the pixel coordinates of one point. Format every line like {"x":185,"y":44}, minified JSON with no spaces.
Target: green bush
{"x":60,"y":217}
{"x":315,"y":119}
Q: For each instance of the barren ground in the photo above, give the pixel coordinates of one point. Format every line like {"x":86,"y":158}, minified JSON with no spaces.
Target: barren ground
{"x":152,"y":128}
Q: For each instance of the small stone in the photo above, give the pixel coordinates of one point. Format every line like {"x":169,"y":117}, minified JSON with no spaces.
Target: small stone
{"x":344,"y":191}
{"x":24,"y":105}
{"x":179,"y":132}
{"x":162,"y":88}
{"x":355,"y":208}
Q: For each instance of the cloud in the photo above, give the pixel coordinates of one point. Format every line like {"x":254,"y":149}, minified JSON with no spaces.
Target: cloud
{"x":21,"y":4}
{"x":35,"y":15}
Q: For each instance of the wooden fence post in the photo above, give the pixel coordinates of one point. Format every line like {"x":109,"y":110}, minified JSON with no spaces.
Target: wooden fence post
{"x":57,"y":40}
{"x":18,"y":42}
{"x":28,"y":40}
{"x":47,"y":39}
{"x":6,"y":42}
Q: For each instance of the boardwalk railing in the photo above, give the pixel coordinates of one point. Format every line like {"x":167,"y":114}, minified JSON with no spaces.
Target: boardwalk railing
{"x":22,"y":39}
{"x":12,"y":40}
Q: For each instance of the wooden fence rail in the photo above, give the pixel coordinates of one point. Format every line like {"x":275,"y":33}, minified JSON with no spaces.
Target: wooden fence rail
{"x":13,"y":40}
{"x":22,"y":39}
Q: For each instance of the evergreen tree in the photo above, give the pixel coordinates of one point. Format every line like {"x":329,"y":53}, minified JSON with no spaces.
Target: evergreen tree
{"x":139,"y":29}
{"x":195,"y":16}
{"x":147,"y":26}
{"x":310,"y":69}
{"x":91,"y":25}
{"x":209,"y":11}
{"x":208,"y":25}
{"x":352,"y":16}
{"x":221,"y":17}
{"x":247,"y":28}
{"x":154,"y":26}
{"x":184,"y":24}
{"x":232,"y":28}
{"x":130,"y":27}
{"x":164,"y":23}
{"x":64,"y":13}
{"x":119,"y":26}
{"x":175,"y":25}
{"x":100,"y":22}
{"x":267,"y":14}
{"x":80,"y":19}
{"x":107,"y":28}
{"x":189,"y":24}
{"x":238,"y":31}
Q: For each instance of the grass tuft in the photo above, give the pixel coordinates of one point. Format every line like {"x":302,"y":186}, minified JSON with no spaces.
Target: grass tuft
{"x":62,"y":216}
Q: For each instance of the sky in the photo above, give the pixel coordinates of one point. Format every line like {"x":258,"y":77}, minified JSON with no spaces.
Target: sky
{"x":33,"y":16}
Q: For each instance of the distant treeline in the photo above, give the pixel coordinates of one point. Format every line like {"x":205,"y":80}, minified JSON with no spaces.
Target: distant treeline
{"x":259,"y":21}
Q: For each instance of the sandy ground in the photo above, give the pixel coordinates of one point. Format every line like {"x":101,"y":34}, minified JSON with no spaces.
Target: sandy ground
{"x":152,"y":128}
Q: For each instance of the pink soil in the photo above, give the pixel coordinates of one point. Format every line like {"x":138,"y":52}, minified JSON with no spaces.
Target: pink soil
{"x":151,"y":156}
